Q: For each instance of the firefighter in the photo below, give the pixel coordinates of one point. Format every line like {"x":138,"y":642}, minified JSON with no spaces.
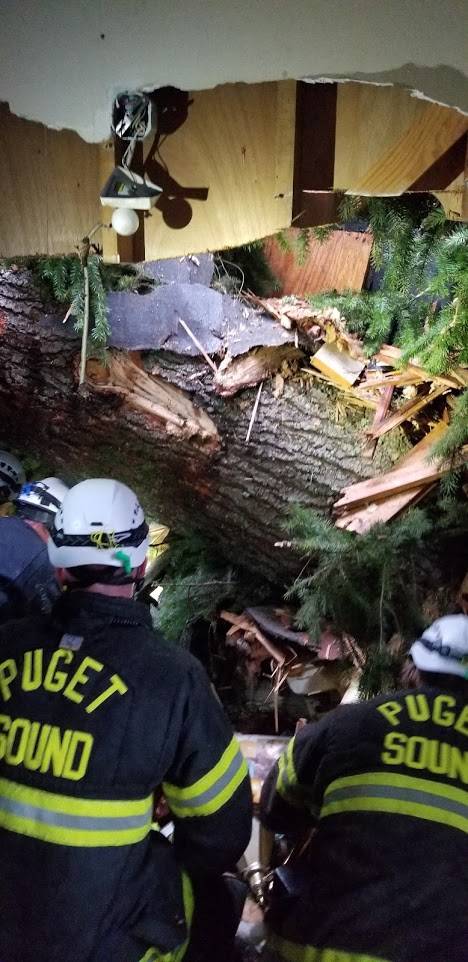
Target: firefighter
{"x":28,"y":582}
{"x":385,"y":783}
{"x":98,"y":714}
{"x":12,"y":476}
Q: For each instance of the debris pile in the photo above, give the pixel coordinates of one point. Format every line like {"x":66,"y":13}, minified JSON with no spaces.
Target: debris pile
{"x":266,"y":635}
{"x":400,"y":395}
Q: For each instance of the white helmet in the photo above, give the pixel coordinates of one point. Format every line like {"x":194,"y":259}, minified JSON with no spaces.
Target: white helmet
{"x":101,"y":522}
{"x":443,"y":647}
{"x":12,"y":475}
{"x":40,"y":500}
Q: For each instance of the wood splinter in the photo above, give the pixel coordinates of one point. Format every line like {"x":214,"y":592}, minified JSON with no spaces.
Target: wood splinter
{"x":198,"y":345}
{"x":254,"y":413}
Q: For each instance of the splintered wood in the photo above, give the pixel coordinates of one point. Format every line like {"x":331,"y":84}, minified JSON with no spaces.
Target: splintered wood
{"x":382,"y":498}
{"x":235,"y":374}
{"x":150,"y":395}
{"x":408,"y":411}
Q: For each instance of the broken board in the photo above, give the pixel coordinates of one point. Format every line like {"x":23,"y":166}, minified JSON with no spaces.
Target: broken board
{"x":378,"y":512}
{"x":337,"y":365}
{"x":407,"y":411}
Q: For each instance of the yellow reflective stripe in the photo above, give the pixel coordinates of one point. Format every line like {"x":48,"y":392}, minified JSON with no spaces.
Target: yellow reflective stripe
{"x":281,"y":775}
{"x":152,"y":955}
{"x":398,"y":795}
{"x":69,"y":836}
{"x":287,"y":778}
{"x":217,"y":802}
{"x":209,"y":793}
{"x":401,"y":781}
{"x":287,"y":784}
{"x":293,"y":952}
{"x":396,"y":807}
{"x":206,"y":781}
{"x":69,"y":805}
{"x":65,"y":820}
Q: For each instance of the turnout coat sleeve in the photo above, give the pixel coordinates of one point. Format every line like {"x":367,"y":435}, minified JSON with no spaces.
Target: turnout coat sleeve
{"x":207,"y":786}
{"x":289,"y":801}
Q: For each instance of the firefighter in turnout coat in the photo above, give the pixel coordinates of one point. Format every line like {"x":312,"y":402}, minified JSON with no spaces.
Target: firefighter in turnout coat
{"x":96,"y":715}
{"x":28,"y":582}
{"x":386,"y":783}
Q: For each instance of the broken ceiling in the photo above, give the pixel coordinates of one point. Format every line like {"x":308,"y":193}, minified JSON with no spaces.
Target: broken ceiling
{"x":72,"y":59}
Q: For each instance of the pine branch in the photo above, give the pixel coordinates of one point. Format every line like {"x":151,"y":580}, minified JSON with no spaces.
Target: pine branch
{"x":356,"y":582}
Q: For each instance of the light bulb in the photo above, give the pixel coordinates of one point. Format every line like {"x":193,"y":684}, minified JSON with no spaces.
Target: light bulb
{"x":125,"y":221}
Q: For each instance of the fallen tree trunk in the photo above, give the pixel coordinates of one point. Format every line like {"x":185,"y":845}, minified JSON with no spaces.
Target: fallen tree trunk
{"x":155,"y":421}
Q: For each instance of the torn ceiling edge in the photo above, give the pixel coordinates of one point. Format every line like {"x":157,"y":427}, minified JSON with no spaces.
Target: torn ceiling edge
{"x":101,"y":127}
{"x":442,"y":85}
{"x":413,"y":80}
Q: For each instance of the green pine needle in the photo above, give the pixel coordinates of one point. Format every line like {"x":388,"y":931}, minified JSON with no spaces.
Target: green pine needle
{"x":362,"y":584}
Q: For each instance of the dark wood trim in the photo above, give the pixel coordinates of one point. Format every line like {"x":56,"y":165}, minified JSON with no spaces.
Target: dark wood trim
{"x":445,"y":169}
{"x":318,"y":208}
{"x":314,"y":151}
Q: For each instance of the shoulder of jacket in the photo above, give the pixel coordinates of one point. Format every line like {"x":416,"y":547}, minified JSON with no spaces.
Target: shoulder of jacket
{"x":173,"y":660}
{"x":351,"y":716}
{"x":27,"y":630}
{"x":16,"y":534}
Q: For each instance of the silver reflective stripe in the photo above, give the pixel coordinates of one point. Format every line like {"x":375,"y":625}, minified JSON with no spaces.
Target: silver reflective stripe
{"x":221,"y":783}
{"x":73,"y":820}
{"x":83,"y":822}
{"x":414,"y":795}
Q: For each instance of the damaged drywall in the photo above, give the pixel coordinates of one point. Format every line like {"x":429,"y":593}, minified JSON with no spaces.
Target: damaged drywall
{"x":441,"y":85}
{"x":73,"y":58}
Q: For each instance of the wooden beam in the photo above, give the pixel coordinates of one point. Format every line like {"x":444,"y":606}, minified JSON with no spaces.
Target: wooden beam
{"x":445,"y":169}
{"x":314,"y":152}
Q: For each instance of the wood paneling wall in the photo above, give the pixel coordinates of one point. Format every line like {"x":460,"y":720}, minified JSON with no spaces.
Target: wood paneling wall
{"x":339,"y":263}
{"x":238,"y":142}
{"x":386,"y":139}
{"x":50,"y":188}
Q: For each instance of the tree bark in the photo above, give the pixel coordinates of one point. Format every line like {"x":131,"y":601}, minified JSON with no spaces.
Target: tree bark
{"x":155,"y":422}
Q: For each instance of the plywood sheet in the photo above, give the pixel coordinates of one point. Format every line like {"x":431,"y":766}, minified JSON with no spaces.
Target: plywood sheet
{"x":386,"y":139}
{"x":72,"y":186}
{"x":108,"y":238}
{"x":339,"y":263}
{"x":23,"y":206}
{"x":50,"y":188}
{"x":238,"y":142}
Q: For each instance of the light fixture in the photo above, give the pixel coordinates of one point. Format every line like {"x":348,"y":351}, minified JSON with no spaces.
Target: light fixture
{"x":125,"y":221}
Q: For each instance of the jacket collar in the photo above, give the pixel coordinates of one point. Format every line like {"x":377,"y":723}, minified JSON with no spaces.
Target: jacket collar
{"x":85,"y":606}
